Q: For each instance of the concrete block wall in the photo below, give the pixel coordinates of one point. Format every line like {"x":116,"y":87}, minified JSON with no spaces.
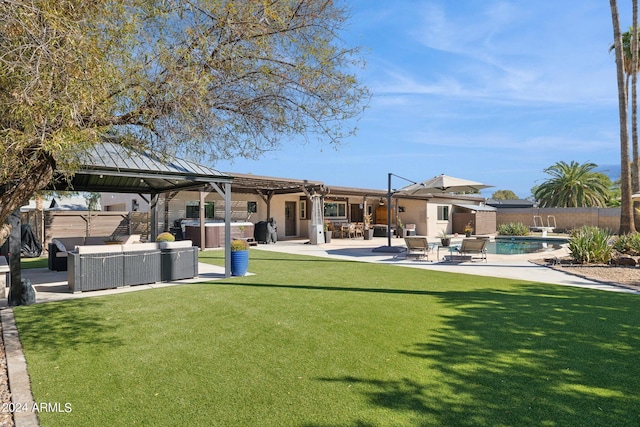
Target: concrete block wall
{"x":566,"y":219}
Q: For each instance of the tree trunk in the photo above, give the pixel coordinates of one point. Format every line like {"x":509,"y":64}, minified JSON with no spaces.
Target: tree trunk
{"x":626,"y":210}
{"x":635,"y":175}
{"x":19,"y":193}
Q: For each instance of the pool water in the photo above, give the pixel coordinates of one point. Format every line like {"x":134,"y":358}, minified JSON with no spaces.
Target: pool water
{"x":517,"y":247}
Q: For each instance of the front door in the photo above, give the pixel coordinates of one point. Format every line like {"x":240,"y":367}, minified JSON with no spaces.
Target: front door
{"x":289,"y":218}
{"x":357,"y":214}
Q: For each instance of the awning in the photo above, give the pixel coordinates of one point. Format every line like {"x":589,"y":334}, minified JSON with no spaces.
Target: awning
{"x":476,"y":207}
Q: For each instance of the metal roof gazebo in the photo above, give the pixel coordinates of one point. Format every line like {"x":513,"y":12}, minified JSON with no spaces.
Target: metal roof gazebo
{"x":110,"y":167}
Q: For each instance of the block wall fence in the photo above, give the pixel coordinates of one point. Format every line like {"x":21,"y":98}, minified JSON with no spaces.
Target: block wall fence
{"x":566,"y":218}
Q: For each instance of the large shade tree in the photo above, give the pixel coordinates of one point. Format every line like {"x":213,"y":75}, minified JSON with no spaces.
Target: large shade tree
{"x":572,"y":185}
{"x":504,"y":195}
{"x":211,"y":78}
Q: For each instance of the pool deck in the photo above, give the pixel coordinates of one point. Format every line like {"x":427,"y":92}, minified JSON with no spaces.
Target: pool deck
{"x":505,"y":266}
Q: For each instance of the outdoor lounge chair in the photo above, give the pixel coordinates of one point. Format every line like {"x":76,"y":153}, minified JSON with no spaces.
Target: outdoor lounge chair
{"x":417,"y":246}
{"x":474,"y":247}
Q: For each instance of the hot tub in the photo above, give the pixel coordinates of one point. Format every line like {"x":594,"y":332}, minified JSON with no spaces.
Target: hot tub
{"x":214,"y":232}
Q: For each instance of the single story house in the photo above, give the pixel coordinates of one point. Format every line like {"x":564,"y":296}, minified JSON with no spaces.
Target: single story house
{"x":287,"y":201}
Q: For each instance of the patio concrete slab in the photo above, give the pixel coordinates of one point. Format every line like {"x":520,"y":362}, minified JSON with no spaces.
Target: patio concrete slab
{"x":52,"y":285}
{"x":517,"y":267}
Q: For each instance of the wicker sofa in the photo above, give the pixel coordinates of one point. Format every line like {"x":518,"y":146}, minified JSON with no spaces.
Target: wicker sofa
{"x":58,"y":249}
{"x":179,"y":260}
{"x":114,"y":266}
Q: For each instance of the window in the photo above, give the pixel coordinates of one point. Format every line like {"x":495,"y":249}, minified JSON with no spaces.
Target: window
{"x":443,"y":213}
{"x":252,"y":207}
{"x":193,"y":209}
{"x":303,"y":209}
{"x":335,"y":210}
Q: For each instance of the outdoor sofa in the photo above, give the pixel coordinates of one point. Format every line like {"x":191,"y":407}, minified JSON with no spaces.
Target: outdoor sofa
{"x":115,"y":266}
{"x":59,"y":248}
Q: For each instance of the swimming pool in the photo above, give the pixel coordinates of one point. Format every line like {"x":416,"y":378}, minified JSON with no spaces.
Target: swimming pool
{"x":518,"y":246}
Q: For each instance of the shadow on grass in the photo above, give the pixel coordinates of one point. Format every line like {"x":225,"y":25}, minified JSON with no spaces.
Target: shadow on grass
{"x":532,"y":356}
{"x":48,"y":328}
{"x":327,"y":288}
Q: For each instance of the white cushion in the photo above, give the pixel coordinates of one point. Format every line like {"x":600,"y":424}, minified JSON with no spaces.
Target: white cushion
{"x":99,"y":249}
{"x":173,"y":245}
{"x":131,"y":238}
{"x":136,"y":247}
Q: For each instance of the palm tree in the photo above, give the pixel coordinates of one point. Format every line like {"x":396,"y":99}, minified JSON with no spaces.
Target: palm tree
{"x":630,"y":65}
{"x":626,"y":209}
{"x":572,"y":186}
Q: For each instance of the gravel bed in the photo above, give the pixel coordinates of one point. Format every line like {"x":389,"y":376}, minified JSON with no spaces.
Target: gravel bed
{"x":627,"y":277}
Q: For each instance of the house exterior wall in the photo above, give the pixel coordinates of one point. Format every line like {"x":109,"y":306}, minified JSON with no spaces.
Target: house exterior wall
{"x":435,"y":225}
{"x":124,"y":202}
{"x":415,"y":212}
{"x":177,"y":207}
{"x":422,"y":213}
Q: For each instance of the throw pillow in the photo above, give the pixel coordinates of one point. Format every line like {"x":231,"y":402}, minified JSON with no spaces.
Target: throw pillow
{"x":59,"y":245}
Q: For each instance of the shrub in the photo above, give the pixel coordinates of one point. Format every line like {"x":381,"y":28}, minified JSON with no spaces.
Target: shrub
{"x":165,"y":237}
{"x":627,"y":244}
{"x":239,"y":245}
{"x":590,"y":244}
{"x":513,"y":229}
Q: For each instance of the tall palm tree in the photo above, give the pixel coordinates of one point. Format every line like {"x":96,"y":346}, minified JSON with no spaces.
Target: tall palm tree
{"x":572,"y":185}
{"x":626,"y":209}
{"x":630,"y":64}
{"x":635,"y":175}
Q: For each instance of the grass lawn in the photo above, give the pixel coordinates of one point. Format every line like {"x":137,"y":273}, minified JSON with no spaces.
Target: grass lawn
{"x":321,"y":342}
{"x":40,"y":262}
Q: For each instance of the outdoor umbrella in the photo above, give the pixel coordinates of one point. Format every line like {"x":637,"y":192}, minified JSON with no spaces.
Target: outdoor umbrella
{"x":443,"y":184}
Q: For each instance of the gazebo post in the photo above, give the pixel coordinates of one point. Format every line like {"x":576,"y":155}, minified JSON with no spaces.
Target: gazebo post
{"x":227,"y":229}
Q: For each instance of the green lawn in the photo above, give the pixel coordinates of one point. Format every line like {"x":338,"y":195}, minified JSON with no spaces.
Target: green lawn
{"x":321,"y":342}
{"x":40,"y":262}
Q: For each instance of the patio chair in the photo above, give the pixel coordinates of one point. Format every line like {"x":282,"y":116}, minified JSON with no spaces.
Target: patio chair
{"x":352,"y":231}
{"x":474,"y":247}
{"x":409,"y":230}
{"x":359,"y":229}
{"x":418,"y":247}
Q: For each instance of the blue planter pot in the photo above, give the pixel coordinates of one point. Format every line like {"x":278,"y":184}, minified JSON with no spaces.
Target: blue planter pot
{"x":239,"y":263}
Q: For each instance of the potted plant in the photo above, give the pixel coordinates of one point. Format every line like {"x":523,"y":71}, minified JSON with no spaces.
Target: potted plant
{"x":444,"y":238}
{"x":165,"y":237}
{"x":368,"y":231}
{"x":239,"y":257}
{"x":328,"y":231}
{"x":468,"y":229}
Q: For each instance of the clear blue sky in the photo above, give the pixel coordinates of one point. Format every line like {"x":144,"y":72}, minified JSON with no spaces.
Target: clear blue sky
{"x":492,"y":91}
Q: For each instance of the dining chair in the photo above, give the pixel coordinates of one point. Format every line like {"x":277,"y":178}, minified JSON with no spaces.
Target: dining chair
{"x":359,"y":229}
{"x":351,"y":233}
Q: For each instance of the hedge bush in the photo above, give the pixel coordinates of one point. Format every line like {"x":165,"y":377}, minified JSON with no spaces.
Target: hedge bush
{"x":628,"y":244}
{"x":589,"y":244}
{"x":513,"y":229}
